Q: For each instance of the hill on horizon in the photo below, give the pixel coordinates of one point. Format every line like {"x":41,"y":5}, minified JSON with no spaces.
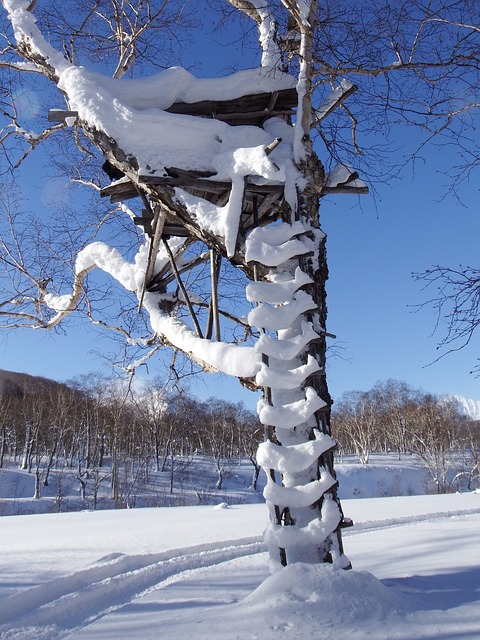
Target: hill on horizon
{"x":14,"y":383}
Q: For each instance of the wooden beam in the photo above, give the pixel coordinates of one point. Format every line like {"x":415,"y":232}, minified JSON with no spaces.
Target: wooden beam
{"x":264,"y":103}
{"x":213,"y":321}
{"x":344,"y":190}
{"x":186,"y":181}
{"x":125,"y":190}
{"x":272,"y":146}
{"x":175,"y":230}
{"x":118,"y":191}
{"x":60,"y":115}
{"x":159,"y":217}
{"x":182,"y":288}
{"x":241,"y":118}
{"x":337,"y":96}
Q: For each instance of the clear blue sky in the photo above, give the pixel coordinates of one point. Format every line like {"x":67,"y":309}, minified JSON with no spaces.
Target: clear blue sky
{"x":373,"y":247}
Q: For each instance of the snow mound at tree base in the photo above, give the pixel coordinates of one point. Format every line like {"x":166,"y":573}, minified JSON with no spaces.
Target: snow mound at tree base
{"x":325,"y":593}
{"x":304,"y":601}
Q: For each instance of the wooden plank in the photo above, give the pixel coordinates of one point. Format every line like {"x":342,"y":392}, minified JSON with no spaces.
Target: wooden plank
{"x":254,"y":117}
{"x":175,"y":230}
{"x":118,"y":191}
{"x":158,"y":222}
{"x":344,"y":190}
{"x":60,"y":115}
{"x":259,"y":102}
{"x":186,"y":181}
{"x":176,"y":172}
{"x":216,"y":192}
{"x":182,"y":288}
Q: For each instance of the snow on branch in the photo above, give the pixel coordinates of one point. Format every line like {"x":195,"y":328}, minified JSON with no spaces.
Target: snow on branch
{"x":264,"y":16}
{"x":336,"y":97}
{"x":232,"y":359}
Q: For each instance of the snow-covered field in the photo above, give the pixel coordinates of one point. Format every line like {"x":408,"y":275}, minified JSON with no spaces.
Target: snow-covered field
{"x":201,"y":572}
{"x":194,"y":483}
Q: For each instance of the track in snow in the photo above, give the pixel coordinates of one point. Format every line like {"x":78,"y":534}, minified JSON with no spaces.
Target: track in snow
{"x":65,"y":605}
{"x":59,"y":607}
{"x":400,"y":521}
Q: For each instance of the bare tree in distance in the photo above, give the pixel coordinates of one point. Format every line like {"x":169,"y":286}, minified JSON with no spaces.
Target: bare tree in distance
{"x":244,"y":202}
{"x":395,"y":417}
{"x":456,"y":302}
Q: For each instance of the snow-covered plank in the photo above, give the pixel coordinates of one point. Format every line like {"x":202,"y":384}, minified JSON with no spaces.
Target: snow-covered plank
{"x":281,"y":317}
{"x":269,"y":376}
{"x":344,"y":179}
{"x":299,"y":496}
{"x":288,"y":416}
{"x":312,"y":534}
{"x":289,"y":348}
{"x":277,"y":292}
{"x":296,"y":457}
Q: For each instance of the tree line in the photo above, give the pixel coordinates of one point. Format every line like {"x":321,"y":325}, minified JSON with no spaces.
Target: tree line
{"x":394,"y":417}
{"x":104,"y":434}
{"x":112,"y":439}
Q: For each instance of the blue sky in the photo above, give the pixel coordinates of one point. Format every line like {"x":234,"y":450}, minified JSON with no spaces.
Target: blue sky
{"x":373,"y":247}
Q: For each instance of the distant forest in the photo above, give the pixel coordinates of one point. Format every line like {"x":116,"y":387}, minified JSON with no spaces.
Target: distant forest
{"x":94,"y":425}
{"x":108,"y":435}
{"x":394,"y":417}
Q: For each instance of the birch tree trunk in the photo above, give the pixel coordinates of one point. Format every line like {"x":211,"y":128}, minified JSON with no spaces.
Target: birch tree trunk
{"x":305,"y":513}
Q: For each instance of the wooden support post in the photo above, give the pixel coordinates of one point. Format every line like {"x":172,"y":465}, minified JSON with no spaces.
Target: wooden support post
{"x":158,"y":222}
{"x":213,"y":312}
{"x":273,"y":145}
{"x":182,"y":288}
{"x":272,"y":101}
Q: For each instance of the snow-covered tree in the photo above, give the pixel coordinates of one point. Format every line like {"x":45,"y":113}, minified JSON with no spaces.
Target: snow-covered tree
{"x":222,"y":172}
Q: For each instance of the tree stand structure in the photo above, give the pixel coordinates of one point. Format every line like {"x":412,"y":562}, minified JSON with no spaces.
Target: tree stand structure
{"x":282,"y":251}
{"x":224,"y":169}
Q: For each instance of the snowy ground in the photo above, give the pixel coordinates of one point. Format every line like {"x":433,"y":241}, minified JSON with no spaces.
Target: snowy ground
{"x":201,"y":573}
{"x":194,"y":484}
